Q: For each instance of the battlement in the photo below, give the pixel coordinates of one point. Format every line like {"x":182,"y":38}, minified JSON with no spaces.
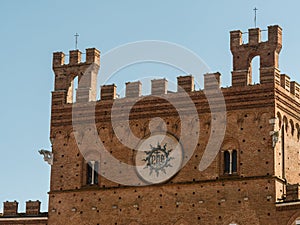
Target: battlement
{"x":290,"y":86}
{"x":212,"y":81}
{"x":133,"y":89}
{"x":243,"y":53}
{"x":108,"y":92}
{"x":295,"y":89}
{"x":92,"y":56}
{"x":159,"y":86}
{"x":186,"y":83}
{"x":10,"y":209}
{"x":254,"y":37}
{"x":65,"y":74}
{"x":285,"y":81}
{"x":33,"y":207}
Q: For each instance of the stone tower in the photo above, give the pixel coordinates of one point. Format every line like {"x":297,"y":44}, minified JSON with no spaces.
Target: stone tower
{"x":253,"y":179}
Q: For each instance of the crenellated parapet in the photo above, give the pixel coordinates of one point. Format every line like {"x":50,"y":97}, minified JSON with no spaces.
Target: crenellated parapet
{"x":133,"y":89}
{"x":243,"y":53}
{"x":212,"y":81}
{"x":65,"y":74}
{"x":92,"y":56}
{"x":10,"y":209}
{"x":292,"y":88}
{"x":160,"y":86}
{"x":186,"y":83}
{"x":295,"y":89}
{"x":86,"y":71}
{"x":285,"y":82}
{"x":108,"y":92}
{"x":268,"y":51}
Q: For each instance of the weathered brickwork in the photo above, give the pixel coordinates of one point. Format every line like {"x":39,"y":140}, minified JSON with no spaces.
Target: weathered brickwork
{"x":11,"y":216}
{"x":253,"y":179}
{"x":262,"y":126}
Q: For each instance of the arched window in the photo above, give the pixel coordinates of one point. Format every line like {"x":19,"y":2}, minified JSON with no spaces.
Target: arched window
{"x":92,"y":172}
{"x":234,"y":161}
{"x":72,"y":91}
{"x":254,"y":70}
{"x":230,"y":162}
{"x":226,"y":162}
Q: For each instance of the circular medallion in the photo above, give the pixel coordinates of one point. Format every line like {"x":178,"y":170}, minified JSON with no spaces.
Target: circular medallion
{"x":159,"y":157}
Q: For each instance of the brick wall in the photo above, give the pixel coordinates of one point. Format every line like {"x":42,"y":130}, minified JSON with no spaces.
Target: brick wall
{"x":256,"y":115}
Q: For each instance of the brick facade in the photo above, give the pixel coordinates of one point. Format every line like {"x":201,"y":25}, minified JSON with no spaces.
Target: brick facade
{"x":262,"y":127}
{"x":253,"y":179}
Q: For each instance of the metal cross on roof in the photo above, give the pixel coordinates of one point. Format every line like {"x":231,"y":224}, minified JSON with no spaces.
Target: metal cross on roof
{"x":255,"y":9}
{"x":76,"y":40}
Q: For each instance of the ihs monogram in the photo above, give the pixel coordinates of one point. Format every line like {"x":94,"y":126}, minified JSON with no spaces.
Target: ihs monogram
{"x":158,"y":159}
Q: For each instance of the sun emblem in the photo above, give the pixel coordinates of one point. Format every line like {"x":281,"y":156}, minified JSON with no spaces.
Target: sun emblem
{"x":158,"y":159}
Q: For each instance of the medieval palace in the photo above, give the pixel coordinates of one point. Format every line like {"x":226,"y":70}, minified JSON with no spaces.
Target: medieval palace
{"x":226,"y":156}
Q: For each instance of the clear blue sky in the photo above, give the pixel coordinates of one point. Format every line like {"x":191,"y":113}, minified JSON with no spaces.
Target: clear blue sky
{"x":31,"y":30}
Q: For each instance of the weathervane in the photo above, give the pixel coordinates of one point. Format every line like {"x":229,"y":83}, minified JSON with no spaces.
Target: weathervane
{"x":255,"y":9}
{"x":76,"y":40}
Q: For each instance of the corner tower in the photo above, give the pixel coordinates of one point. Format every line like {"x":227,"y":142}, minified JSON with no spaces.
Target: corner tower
{"x":75,"y":83}
{"x":65,"y":75}
{"x":244,"y":53}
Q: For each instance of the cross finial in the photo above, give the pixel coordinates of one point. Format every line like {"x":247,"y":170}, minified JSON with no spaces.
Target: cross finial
{"x":76,"y":40}
{"x":255,"y":9}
